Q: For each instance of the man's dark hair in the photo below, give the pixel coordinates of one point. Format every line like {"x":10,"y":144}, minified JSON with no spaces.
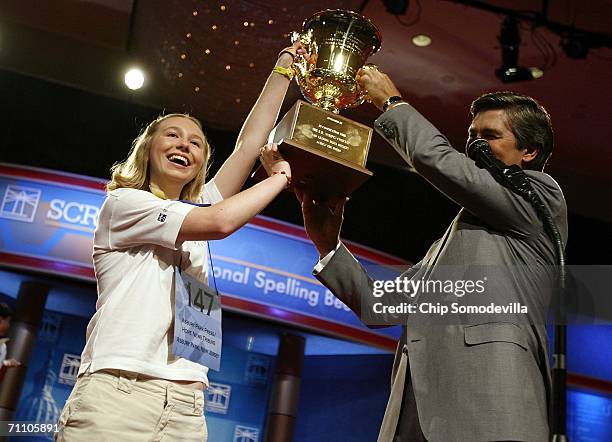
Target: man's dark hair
{"x":5,"y":310}
{"x":529,"y":122}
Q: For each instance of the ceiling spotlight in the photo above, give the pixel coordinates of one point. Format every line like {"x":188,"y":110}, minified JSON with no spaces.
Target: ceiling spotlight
{"x":396,"y":7}
{"x":421,"y":40}
{"x":536,"y":72}
{"x":510,"y":40}
{"x":134,"y":78}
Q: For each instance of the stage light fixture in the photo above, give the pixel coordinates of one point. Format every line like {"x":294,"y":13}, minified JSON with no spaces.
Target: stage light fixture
{"x":134,"y":78}
{"x":510,"y":40}
{"x":396,"y":7}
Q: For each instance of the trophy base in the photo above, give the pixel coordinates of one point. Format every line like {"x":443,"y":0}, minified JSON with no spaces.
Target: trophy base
{"x":320,"y":175}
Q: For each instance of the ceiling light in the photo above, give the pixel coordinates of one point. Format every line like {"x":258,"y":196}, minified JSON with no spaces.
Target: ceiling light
{"x":134,"y":78}
{"x":421,"y":40}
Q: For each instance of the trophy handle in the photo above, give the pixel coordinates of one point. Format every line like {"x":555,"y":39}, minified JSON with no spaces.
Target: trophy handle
{"x":300,"y":63}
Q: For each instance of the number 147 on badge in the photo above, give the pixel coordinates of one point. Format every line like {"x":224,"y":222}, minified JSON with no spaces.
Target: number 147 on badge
{"x":201,"y":297}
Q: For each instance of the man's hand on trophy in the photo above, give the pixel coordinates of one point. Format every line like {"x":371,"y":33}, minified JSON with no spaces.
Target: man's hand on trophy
{"x":273,"y":161}
{"x":322,"y":221}
{"x":378,"y":85}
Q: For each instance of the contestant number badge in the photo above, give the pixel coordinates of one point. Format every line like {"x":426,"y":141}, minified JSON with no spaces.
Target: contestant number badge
{"x":197,"y":322}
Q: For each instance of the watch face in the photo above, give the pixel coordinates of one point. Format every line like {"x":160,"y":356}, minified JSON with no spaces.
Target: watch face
{"x":390,"y":101}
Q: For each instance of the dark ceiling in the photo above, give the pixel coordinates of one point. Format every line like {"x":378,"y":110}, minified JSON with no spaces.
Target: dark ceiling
{"x":62,"y":63}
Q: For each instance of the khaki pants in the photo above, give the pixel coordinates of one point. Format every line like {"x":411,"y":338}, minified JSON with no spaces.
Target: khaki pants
{"x":122,"y":406}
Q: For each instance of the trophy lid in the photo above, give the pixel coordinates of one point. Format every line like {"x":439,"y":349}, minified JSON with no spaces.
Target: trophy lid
{"x":346,"y":15}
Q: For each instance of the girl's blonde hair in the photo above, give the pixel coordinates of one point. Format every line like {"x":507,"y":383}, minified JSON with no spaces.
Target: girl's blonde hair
{"x":133,"y":172}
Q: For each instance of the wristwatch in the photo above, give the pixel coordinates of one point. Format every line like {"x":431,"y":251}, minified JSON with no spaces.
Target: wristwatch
{"x":391,"y":100}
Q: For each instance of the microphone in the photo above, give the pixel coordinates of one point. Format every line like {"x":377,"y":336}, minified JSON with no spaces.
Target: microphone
{"x":512,"y":176}
{"x":480,"y":151}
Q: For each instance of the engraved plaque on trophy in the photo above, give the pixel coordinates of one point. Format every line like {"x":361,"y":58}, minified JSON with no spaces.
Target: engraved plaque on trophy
{"x":327,"y":151}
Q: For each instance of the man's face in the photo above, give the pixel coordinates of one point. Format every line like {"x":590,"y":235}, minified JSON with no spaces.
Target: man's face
{"x":493,"y":126}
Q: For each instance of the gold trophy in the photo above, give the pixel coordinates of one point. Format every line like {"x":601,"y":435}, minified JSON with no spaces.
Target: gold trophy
{"x":327,"y":151}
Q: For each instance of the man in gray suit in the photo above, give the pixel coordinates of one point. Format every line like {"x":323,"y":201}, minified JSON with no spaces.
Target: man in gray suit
{"x":471,"y":380}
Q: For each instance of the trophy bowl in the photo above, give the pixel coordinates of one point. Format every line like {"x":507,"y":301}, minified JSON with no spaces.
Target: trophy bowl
{"x":339,"y":43}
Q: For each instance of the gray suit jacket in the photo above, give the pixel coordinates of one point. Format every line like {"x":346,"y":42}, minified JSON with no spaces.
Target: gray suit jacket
{"x":472,"y":381}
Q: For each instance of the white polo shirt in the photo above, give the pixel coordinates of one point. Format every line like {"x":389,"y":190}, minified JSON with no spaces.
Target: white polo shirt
{"x":134,"y":257}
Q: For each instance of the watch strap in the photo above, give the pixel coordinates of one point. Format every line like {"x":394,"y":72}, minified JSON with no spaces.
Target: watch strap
{"x":391,"y":100}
